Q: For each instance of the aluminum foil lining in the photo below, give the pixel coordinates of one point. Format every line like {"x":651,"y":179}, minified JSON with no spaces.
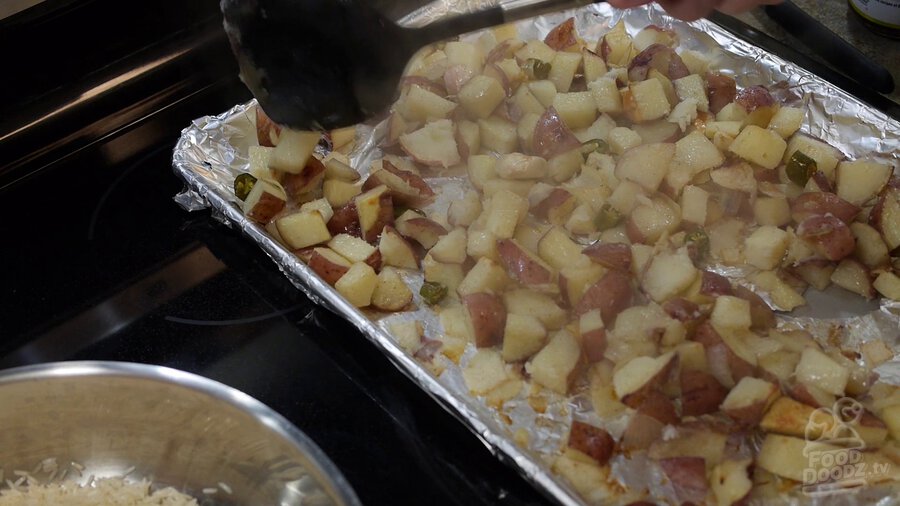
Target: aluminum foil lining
{"x":213,"y":150}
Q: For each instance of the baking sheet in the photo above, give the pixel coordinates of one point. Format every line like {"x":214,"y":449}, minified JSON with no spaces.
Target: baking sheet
{"x":213,"y":150}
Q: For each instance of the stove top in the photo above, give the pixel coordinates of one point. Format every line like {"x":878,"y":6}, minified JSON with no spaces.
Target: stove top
{"x":101,"y":264}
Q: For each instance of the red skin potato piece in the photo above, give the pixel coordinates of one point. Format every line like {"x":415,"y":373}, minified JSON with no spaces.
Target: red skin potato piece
{"x":821,"y":203}
{"x":611,"y":295}
{"x":688,"y":477}
{"x":714,"y":285}
{"x":488,"y":315}
{"x":266,"y":208}
{"x":555,"y":199}
{"x":828,"y":235}
{"x":330,"y":273}
{"x":552,"y":136}
{"x":659,"y":406}
{"x":641,"y":432}
{"x":754,"y":97}
{"x":424,"y":83}
{"x":266,"y":129}
{"x":594,"y":343}
{"x":562,"y":36}
{"x":611,"y":255}
{"x":649,"y":391}
{"x":345,"y":221}
{"x":592,"y":441}
{"x":520,"y":265}
{"x":701,"y":393}
{"x":681,"y":309}
{"x":306,"y":181}
{"x":660,"y":57}
{"x":721,"y":91}
{"x":761,"y":315}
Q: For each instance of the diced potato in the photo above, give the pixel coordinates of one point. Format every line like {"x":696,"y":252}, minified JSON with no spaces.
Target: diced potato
{"x":445,"y":274}
{"x":525,"y":100}
{"x":259,"y":162}
{"x":408,"y":334}
{"x":695,"y":61}
{"x":536,"y":49}
{"x":562,"y":70}
{"x":730,"y":128}
{"x":731,"y":313}
{"x":498,"y":135}
{"x":523,"y":336}
{"x":732,"y":112}
{"x":487,"y":276}
{"x":858,"y":182}
{"x":606,"y":95}
{"x":826,"y":157}
{"x":694,"y":201}
{"x":772,"y":211}
{"x":293,"y":150}
{"x":454,"y":322}
{"x":544,"y":91}
{"x":684,"y":114}
{"x":482,"y":244}
{"x":817,"y":368}
{"x":694,"y":153}
{"x":505,"y":213}
{"x":485,"y":371}
{"x":481,"y":95}
{"x":760,"y":146}
{"x":888,"y":284}
{"x":539,"y":305}
{"x":786,"y":121}
{"x":592,"y":65}
{"x":338,"y":193}
{"x":668,"y":275}
{"x":577,"y":109}
{"x":391,"y":292}
{"x":423,"y":105}
{"x":565,"y":165}
{"x":358,"y":284}
{"x":303,"y":229}
{"x":692,"y":87}
{"x":782,"y":294}
{"x":554,"y":366}
{"x":464,"y":53}
{"x":870,"y":247}
{"x":622,"y":139}
{"x":481,"y":168}
{"x":645,"y":101}
{"x":525,"y":131}
{"x":766,"y":246}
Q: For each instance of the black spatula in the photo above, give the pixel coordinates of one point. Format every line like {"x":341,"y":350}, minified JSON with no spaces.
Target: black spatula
{"x":323,"y":64}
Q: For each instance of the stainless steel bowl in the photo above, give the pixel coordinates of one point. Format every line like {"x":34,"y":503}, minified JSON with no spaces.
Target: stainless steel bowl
{"x":174,"y":428}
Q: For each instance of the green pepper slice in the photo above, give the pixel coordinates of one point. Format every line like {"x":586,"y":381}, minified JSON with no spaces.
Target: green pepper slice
{"x":594,"y":146}
{"x":698,"y":244}
{"x":607,"y":218}
{"x":800,"y":168}
{"x":243,"y":184}
{"x":433,"y":292}
{"x":536,"y":69}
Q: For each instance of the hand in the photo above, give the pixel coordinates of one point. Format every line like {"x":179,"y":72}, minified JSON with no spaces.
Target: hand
{"x":689,"y":10}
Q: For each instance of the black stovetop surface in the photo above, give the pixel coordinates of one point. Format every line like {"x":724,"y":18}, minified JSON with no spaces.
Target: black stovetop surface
{"x":99,"y":262}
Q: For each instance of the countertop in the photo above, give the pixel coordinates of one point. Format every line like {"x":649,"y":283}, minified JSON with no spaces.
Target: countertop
{"x":837,"y":16}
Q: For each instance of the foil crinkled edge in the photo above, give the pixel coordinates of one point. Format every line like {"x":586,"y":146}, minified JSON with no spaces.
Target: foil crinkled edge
{"x":213,"y":150}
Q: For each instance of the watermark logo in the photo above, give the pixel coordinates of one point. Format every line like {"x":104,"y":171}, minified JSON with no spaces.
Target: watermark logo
{"x":834,"y":451}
